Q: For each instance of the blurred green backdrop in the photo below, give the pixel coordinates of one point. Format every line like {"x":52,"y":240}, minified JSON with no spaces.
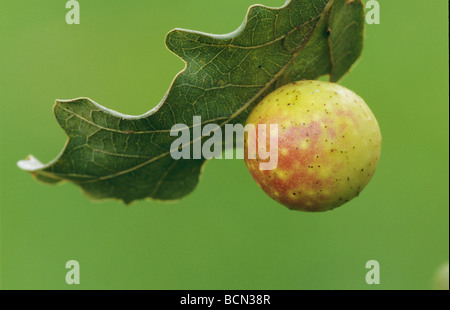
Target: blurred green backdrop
{"x":227,"y":234}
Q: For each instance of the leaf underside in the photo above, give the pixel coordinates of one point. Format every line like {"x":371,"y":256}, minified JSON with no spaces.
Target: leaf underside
{"x":110,"y":155}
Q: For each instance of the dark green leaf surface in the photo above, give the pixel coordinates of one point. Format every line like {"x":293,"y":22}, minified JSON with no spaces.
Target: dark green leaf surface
{"x":110,"y":155}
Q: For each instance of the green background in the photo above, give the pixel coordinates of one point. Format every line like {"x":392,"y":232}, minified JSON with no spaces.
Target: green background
{"x":227,"y":234}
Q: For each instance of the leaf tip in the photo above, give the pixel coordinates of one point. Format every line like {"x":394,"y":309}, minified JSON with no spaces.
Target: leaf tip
{"x":30,"y":164}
